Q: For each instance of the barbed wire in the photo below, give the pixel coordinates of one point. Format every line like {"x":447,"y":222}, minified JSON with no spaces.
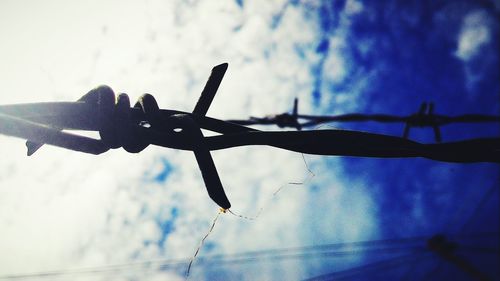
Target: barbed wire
{"x":424,"y":117}
{"x":135,"y":128}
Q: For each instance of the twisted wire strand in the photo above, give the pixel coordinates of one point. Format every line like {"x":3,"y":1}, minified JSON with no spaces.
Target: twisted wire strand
{"x":425,"y":117}
{"x":119,"y":128}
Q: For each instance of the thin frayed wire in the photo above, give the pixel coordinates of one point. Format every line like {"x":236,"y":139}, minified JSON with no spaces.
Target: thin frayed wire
{"x":306,"y":181}
{"x":203,"y":242}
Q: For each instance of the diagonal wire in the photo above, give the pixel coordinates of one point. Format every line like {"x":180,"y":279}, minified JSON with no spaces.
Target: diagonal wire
{"x":485,"y":198}
{"x":202,"y":242}
{"x":321,"y":251}
{"x":211,"y":262}
{"x":440,"y":263}
{"x":375,"y":266}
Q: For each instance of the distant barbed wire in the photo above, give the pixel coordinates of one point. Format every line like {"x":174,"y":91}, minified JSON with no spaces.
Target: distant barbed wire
{"x":425,"y":117}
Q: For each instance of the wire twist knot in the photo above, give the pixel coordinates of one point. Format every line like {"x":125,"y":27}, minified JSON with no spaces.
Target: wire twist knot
{"x":116,"y":127}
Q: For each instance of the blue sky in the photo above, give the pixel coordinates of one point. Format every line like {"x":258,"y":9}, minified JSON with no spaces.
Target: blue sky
{"x":76,"y":211}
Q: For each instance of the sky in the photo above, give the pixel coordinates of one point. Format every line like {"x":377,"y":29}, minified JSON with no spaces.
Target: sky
{"x":63,"y":210}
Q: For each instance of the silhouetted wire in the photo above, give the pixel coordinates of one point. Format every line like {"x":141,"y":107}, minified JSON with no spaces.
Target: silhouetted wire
{"x":422,"y":120}
{"x":440,"y":263}
{"x":425,"y":117}
{"x":475,"y":212}
{"x":323,"y":142}
{"x":310,"y":142}
{"x":484,"y":250}
{"x":327,"y":250}
{"x":386,"y":118}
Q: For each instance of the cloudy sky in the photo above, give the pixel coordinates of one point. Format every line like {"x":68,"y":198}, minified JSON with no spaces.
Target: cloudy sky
{"x":62,"y":210}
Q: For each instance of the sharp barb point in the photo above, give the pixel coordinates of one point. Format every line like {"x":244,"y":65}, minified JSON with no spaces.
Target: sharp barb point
{"x":295,"y":106}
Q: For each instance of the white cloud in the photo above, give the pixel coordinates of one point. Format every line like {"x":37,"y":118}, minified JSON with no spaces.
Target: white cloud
{"x":474,"y":34}
{"x":334,"y":68}
{"x":353,"y":7}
